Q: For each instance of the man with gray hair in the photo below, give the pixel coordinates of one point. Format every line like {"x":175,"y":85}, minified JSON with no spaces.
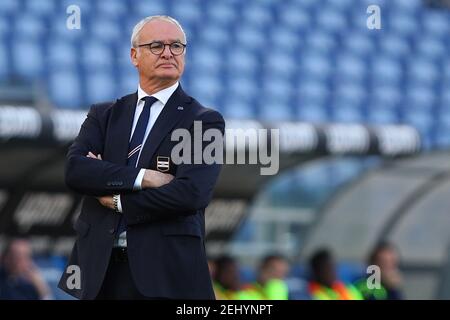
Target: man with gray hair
{"x":141,"y":230}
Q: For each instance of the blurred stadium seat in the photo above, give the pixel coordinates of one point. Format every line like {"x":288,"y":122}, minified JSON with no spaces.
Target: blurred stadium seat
{"x":306,"y":51}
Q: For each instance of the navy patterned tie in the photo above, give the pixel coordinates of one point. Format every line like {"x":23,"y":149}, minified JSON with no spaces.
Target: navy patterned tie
{"x":136,"y":144}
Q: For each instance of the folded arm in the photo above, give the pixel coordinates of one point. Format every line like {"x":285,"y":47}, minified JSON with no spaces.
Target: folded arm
{"x":89,"y":176}
{"x":189,"y":191}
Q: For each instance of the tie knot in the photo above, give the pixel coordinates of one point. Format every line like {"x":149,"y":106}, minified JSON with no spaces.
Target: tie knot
{"x":149,"y":101}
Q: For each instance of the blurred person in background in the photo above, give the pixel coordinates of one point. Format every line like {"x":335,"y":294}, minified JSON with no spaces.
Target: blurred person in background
{"x":20,"y":279}
{"x":226,"y":281}
{"x":270,"y":283}
{"x":324,"y":284}
{"x":386,"y":257}
{"x":212,"y":267}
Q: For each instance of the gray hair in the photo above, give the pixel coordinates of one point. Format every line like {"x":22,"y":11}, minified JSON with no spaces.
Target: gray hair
{"x":138,"y":27}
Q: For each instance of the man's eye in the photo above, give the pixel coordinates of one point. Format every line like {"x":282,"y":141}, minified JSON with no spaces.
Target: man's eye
{"x":176,"y":45}
{"x":156,"y":45}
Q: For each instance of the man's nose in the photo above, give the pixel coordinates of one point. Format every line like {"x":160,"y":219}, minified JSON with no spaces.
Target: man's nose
{"x":167,"y":54}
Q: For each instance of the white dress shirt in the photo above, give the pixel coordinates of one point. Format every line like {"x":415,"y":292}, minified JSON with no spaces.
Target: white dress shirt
{"x":162,"y":96}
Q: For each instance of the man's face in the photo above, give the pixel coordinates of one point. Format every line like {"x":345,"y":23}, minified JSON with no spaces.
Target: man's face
{"x":162,"y":67}
{"x":19,"y":258}
{"x":387,"y":260}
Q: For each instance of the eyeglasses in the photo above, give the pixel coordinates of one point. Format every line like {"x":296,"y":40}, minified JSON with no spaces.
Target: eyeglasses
{"x":158,"y":47}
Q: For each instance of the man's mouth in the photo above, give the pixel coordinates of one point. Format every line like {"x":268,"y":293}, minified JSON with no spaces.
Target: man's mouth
{"x":167,"y":65}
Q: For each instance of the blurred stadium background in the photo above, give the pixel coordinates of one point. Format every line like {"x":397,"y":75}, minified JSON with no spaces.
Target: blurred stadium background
{"x":364,"y":118}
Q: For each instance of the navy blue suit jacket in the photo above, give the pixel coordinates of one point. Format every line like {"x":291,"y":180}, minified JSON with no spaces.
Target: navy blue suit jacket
{"x":166,"y":225}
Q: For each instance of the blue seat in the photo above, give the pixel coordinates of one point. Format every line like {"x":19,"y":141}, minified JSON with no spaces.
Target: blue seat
{"x":251,"y":38}
{"x":206,"y":58}
{"x":4,"y":63}
{"x":402,"y":23}
{"x":128,"y":80}
{"x":349,"y":93}
{"x":436,"y":23}
{"x":96,"y":55}
{"x":420,"y":97}
{"x":320,"y":41}
{"x":278,"y":63}
{"x":242,"y":88}
{"x":421,"y":120}
{"x":314,"y":65}
{"x":29,"y":26}
{"x":295,"y":18}
{"x":313,"y":92}
{"x":340,"y":5}
{"x":40,"y":8}
{"x":312,"y":113}
{"x":331,"y":20}
{"x":431,"y":48}
{"x":5,"y":27}
{"x":28,"y":58}
{"x":221,"y":12}
{"x":442,"y":135}
{"x":242,"y":61}
{"x":422,"y":71}
{"x":410,"y":6}
{"x":284,"y":39}
{"x":61,"y":53}
{"x":106,"y":30}
{"x":257,"y":15}
{"x":187,"y":12}
{"x":277,"y":89}
{"x":112,"y":8}
{"x":65,"y":89}
{"x":273,"y":110}
{"x":359,"y":43}
{"x":394,"y":46}
{"x":379,"y":114}
{"x":346,"y":113}
{"x":206,"y":88}
{"x":386,"y":70}
{"x":215,"y":36}
{"x":149,"y":8}
{"x":386,"y":95}
{"x":100,"y":86}
{"x":238,"y":109}
{"x":9,"y":7}
{"x":350,"y":68}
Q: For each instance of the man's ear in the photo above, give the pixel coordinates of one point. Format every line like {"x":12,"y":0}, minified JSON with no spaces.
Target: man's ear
{"x":133,"y":56}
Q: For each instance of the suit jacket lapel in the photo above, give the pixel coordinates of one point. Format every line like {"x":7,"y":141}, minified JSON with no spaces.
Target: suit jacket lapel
{"x":119,"y":130}
{"x":174,"y":110}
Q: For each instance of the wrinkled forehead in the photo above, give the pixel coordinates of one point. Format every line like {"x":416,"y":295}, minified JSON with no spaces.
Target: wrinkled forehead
{"x":161,"y":30}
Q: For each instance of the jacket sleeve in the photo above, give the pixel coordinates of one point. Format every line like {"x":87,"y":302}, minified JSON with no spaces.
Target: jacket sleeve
{"x":90,"y":176}
{"x":189,"y":191}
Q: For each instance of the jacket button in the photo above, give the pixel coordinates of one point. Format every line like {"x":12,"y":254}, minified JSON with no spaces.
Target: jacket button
{"x":111,"y":231}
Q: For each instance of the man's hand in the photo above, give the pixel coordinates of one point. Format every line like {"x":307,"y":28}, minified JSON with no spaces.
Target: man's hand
{"x":93,"y":156}
{"x":155,"y":179}
{"x":106,"y":201}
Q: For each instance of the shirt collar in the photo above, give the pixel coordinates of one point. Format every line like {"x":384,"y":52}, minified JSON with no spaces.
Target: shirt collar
{"x":162,"y":95}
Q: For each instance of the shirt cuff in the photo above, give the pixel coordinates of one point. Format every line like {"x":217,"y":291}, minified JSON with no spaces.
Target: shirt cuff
{"x":138,"y":181}
{"x":119,"y":204}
